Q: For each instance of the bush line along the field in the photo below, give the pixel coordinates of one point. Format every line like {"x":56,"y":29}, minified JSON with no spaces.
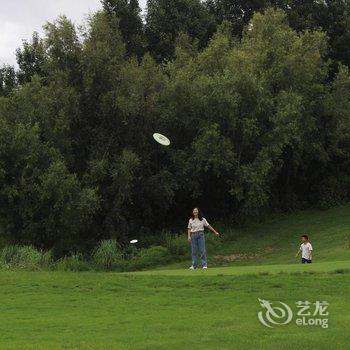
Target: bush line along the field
{"x":107,"y":256}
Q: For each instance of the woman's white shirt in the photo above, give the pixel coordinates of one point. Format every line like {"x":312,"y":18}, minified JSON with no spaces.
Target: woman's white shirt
{"x":196,"y":225}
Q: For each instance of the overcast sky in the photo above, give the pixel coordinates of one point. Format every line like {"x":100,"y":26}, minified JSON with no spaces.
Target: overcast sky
{"x":20,"y":18}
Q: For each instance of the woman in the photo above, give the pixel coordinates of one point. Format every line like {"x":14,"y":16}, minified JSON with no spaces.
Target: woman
{"x":195,"y":232}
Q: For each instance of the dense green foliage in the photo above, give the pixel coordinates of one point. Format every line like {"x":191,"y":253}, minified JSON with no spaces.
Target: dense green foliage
{"x":258,"y":116}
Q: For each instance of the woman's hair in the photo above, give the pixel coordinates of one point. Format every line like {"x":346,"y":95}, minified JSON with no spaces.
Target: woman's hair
{"x":200,"y":216}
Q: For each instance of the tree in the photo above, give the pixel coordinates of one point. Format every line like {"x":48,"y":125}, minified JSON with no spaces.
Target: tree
{"x":36,"y":208}
{"x":258,"y":121}
{"x":31,"y":59}
{"x":128,"y":13}
{"x":331,"y":16}
{"x":265,"y":95}
{"x":8,"y":80}
{"x":166,"y":19}
{"x":63,"y":49}
{"x":238,"y":13}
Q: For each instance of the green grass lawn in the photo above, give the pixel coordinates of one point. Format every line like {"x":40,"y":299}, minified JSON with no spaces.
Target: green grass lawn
{"x":132,"y":311}
{"x":174,"y":308}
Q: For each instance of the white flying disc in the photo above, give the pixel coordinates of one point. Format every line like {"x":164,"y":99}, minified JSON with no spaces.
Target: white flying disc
{"x":133,"y":241}
{"x":163,"y":140}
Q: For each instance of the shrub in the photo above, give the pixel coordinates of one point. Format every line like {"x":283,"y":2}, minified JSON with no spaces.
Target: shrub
{"x":152,"y":256}
{"x":177,"y":245}
{"x":75,"y":263}
{"x":28,"y":258}
{"x":212,"y":242}
{"x":107,"y":255}
{"x":333,"y":191}
{"x":8,"y":254}
{"x":24,"y":257}
{"x":46,"y":259}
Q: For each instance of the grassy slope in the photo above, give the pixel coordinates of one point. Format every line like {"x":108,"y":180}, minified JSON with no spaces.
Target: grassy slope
{"x":276,"y":240}
{"x":328,"y":231}
{"x":181,"y":309}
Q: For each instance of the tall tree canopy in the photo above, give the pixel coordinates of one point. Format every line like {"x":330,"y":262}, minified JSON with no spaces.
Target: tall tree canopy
{"x":332,"y":16}
{"x":258,"y":114}
{"x":165,"y":20}
{"x":128,"y":13}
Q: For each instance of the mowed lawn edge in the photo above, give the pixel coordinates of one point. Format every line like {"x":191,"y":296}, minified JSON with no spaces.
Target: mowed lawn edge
{"x":242,"y":270}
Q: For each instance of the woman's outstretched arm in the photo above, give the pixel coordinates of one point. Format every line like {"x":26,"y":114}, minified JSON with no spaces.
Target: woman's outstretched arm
{"x":212,"y":229}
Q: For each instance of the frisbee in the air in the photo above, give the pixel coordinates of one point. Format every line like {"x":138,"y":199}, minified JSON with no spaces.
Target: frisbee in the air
{"x":133,"y":241}
{"x":163,"y":140}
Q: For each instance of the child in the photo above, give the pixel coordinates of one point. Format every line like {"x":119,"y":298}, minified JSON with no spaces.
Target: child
{"x":306,"y":250}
